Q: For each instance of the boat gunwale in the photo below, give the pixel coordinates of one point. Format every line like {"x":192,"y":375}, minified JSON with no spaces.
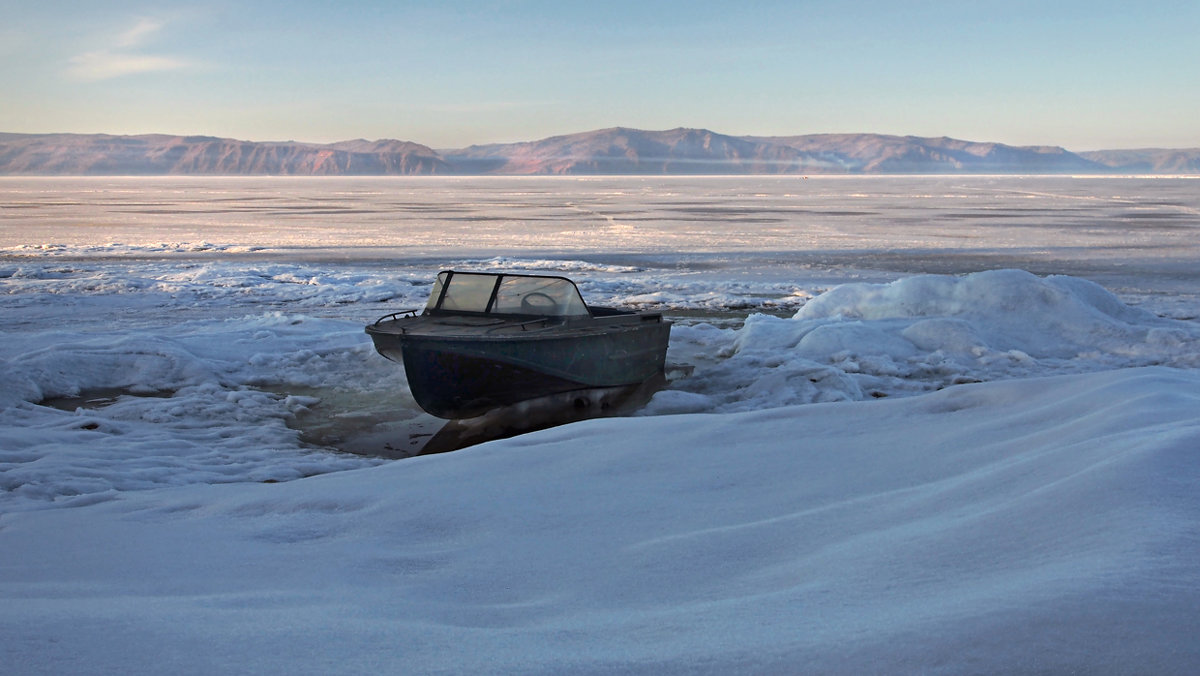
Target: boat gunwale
{"x":510,"y":327}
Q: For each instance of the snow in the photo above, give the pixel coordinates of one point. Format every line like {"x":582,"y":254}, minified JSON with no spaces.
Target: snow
{"x":1030,"y":525}
{"x":986,"y":471}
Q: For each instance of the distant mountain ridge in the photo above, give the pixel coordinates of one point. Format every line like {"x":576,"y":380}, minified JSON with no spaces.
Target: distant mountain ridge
{"x":160,"y":154}
{"x":1149,"y":160}
{"x":616,"y":150}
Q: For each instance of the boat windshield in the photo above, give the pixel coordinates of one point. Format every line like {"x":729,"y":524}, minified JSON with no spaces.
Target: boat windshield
{"x":506,"y":294}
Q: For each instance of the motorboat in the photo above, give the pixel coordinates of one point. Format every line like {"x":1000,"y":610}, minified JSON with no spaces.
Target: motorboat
{"x":489,"y":340}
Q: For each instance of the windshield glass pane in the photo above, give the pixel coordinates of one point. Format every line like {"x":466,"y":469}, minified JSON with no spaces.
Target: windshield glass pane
{"x":468,"y":293}
{"x":549,"y":296}
{"x":437,"y":291}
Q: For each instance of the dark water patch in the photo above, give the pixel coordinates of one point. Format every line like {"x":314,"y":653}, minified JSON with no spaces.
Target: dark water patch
{"x":380,"y":425}
{"x":98,"y":398}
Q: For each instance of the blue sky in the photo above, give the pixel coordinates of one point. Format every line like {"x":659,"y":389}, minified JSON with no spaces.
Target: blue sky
{"x":1081,"y":74}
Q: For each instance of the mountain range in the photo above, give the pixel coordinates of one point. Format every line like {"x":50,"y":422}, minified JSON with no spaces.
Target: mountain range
{"x":616,"y":150}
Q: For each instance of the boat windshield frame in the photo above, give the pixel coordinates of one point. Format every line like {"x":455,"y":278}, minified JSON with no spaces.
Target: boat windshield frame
{"x":496,"y":293}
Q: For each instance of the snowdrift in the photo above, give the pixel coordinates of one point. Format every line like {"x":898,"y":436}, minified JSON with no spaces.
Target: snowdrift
{"x":1037,"y":525}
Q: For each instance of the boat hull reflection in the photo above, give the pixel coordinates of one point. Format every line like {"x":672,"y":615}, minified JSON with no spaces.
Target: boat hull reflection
{"x":541,"y":413}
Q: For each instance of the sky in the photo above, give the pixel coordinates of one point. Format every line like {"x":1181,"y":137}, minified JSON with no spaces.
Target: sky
{"x":1081,"y":74}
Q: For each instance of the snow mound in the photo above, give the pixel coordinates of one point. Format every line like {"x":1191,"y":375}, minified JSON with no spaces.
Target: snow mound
{"x":919,"y":334}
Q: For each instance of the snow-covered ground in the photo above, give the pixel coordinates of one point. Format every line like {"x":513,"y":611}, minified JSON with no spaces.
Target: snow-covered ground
{"x":935,"y":424}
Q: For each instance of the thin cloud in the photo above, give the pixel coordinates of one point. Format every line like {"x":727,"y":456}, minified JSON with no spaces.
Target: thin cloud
{"x":141,"y":30}
{"x":106,"y":65}
{"x":124,"y":58}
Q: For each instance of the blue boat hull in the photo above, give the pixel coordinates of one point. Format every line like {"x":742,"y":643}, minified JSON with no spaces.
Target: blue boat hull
{"x":463,"y":377}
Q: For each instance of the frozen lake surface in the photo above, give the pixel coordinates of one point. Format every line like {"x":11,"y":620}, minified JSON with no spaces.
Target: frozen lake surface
{"x":1134,"y":236}
{"x":932,"y":421}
